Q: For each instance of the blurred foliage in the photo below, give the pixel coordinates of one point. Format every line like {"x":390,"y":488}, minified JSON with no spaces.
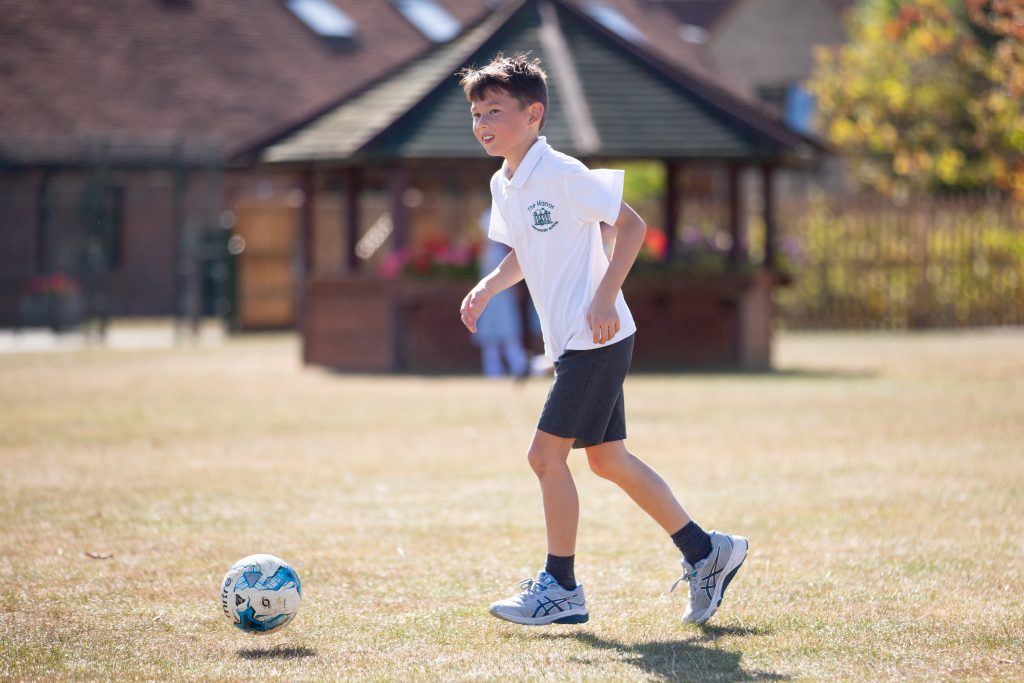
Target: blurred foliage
{"x":645,"y":182}
{"x":928,"y":95}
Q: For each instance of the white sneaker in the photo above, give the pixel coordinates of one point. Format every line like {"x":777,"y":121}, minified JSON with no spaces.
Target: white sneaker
{"x":710,"y":577}
{"x":543,"y":601}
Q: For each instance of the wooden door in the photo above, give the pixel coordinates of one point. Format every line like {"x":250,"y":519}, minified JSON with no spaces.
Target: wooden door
{"x":267,"y":266}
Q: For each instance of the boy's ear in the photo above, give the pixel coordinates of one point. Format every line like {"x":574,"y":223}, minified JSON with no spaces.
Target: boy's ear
{"x":536,"y":112}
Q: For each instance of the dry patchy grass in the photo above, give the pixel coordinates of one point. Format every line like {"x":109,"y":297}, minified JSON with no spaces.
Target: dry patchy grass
{"x":880,"y":479}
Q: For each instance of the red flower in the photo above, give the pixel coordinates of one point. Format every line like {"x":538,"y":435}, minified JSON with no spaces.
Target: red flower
{"x":56,"y":283}
{"x":656,"y":242}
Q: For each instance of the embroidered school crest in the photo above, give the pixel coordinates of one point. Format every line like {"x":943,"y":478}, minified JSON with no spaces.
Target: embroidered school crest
{"x":541,"y":211}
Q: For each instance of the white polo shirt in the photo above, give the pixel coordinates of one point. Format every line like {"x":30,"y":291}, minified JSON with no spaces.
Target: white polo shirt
{"x":550,"y":214}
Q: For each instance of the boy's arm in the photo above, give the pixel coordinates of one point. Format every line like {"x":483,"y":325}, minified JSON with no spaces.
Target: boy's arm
{"x":501,"y":278}
{"x":608,"y":233}
{"x":602,"y":318}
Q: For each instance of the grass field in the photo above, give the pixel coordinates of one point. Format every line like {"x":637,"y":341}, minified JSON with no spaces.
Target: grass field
{"x":880,"y":479}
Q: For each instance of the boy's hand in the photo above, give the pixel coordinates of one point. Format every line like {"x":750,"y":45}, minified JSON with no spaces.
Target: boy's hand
{"x":603,"y":320}
{"x":473,"y":305}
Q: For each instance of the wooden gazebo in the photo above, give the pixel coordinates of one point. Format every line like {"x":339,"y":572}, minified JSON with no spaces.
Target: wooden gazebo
{"x":611,"y":99}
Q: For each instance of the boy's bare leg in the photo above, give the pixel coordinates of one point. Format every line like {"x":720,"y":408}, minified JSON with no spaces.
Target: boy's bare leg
{"x":548,"y":455}
{"x":555,"y":597}
{"x":710,"y":561}
{"x":612,"y":461}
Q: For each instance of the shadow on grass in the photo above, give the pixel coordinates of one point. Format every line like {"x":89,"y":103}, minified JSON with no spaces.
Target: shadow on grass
{"x":276,"y":652}
{"x":682,"y":660}
{"x":784,"y":373}
{"x":714,"y":631}
{"x":687,"y":372}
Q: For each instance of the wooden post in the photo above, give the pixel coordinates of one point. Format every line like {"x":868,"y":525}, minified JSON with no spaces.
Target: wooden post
{"x":671,"y":208}
{"x":737,"y":252}
{"x":768,"y":187}
{"x":351,"y":226}
{"x":306,"y":220}
{"x":398,"y":182}
{"x":44,"y":212}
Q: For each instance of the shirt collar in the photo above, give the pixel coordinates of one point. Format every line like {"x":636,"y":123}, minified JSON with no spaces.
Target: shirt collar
{"x":528,"y":163}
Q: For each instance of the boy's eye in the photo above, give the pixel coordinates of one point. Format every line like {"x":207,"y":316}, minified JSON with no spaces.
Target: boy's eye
{"x":494,"y":111}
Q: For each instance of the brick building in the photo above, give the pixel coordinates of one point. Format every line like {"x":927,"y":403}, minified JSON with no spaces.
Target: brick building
{"x":143,"y":108}
{"x":131,"y":131}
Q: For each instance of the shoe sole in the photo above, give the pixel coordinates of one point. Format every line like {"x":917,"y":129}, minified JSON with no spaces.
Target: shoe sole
{"x":730,"y":573}
{"x":573,"y":618}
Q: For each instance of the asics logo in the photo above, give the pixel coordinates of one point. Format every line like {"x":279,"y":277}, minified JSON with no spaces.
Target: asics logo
{"x":546,"y":606}
{"x":708,"y":582}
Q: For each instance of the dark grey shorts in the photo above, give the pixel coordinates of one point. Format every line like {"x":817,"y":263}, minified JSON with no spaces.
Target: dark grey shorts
{"x":586,"y":401}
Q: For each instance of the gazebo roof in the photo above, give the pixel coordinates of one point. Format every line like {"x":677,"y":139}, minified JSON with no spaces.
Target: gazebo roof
{"x":608,"y":97}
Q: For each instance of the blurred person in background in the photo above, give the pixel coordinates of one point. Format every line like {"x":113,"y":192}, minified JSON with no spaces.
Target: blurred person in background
{"x":500,"y":330}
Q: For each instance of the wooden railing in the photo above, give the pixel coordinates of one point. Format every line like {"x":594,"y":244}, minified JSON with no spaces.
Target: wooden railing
{"x":868,"y":263}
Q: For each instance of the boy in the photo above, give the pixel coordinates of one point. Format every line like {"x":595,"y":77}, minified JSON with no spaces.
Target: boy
{"x":548,"y":207}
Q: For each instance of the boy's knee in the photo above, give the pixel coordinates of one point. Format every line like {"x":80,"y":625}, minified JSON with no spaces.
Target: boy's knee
{"x":608,"y":464}
{"x":548,"y":452}
{"x":537,"y":460}
{"x":541,"y":460}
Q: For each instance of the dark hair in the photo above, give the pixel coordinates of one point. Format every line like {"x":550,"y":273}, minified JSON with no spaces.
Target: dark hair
{"x":519,"y":76}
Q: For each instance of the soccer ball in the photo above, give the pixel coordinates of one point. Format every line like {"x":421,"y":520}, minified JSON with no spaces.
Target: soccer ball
{"x":260,"y":594}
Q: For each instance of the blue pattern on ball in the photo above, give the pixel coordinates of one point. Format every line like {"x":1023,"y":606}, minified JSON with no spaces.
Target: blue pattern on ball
{"x":247,"y":621}
{"x":281,"y":578}
{"x":252,"y":577}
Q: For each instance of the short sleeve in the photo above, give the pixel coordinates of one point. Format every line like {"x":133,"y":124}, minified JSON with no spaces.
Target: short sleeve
{"x":596,"y":194}
{"x":498,"y":230}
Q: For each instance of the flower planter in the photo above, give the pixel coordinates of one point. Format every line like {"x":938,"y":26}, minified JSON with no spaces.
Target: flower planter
{"x":57,"y":311}
{"x":368,"y":324}
{"x":711,"y":322}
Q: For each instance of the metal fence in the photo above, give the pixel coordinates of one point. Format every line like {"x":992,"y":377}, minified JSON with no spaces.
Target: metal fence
{"x":136,"y":225}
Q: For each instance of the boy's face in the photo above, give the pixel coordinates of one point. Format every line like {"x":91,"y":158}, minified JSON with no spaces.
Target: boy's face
{"x":502,"y":125}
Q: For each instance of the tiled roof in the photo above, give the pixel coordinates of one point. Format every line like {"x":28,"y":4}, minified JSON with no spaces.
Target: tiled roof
{"x":703,"y":13}
{"x":636,"y":103}
{"x":661,"y":27}
{"x":233,"y":73}
{"x":708,"y":13}
{"x":235,"y":70}
{"x":349,"y":126}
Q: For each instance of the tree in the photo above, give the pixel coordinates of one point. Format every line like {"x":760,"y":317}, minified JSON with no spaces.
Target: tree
{"x":928,"y":95}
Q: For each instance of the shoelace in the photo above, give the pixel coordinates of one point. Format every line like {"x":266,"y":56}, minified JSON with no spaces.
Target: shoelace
{"x":529,"y":585}
{"x":684,"y":577}
{"x":691,"y":577}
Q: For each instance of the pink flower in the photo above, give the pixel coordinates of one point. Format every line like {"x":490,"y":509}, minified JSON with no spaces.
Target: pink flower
{"x":393,"y":264}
